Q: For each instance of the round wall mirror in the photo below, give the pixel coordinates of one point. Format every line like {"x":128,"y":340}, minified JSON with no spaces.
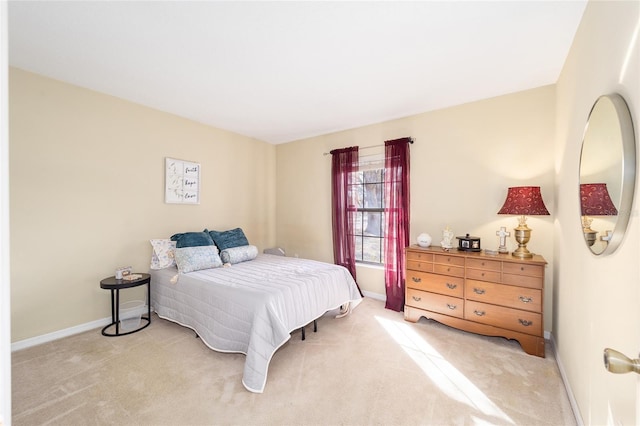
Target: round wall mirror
{"x":607,"y":174}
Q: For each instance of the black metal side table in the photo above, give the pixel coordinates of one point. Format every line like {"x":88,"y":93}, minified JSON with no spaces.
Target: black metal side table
{"x":115,"y":285}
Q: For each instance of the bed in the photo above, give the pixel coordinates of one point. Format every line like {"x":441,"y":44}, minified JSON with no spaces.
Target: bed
{"x":252,"y":306}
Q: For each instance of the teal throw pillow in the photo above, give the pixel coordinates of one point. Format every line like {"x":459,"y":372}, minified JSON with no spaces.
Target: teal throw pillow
{"x":192,"y":239}
{"x":229,"y":239}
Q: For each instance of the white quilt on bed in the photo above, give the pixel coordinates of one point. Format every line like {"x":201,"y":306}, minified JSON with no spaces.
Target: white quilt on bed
{"x":252,"y":307}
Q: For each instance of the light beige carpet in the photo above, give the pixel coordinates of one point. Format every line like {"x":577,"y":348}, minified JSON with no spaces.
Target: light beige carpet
{"x":371,"y":367}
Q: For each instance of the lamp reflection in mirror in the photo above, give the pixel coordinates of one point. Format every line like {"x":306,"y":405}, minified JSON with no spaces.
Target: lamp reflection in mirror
{"x":523,"y":201}
{"x":595,"y":201}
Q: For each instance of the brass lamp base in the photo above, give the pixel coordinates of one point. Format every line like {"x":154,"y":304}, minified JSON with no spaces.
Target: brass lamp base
{"x":522,"y":235}
{"x":590,"y":236}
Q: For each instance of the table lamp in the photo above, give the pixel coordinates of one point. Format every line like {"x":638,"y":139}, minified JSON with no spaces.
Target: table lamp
{"x":594,"y":201}
{"x":523,"y":201}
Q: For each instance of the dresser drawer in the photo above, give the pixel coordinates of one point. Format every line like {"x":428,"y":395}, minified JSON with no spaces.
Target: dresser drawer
{"x":439,"y":303}
{"x":523,"y":269}
{"x":418,"y":255}
{"x":442,"y":284}
{"x":525,"y":298}
{"x":499,"y":316}
{"x":481,"y":274}
{"x":454,"y":271}
{"x":447,"y":259}
{"x":420,"y":265}
{"x":522,"y":280}
{"x":490,"y":265}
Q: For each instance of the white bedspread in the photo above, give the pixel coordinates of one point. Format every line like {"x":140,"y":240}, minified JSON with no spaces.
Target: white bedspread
{"x":252,"y":307}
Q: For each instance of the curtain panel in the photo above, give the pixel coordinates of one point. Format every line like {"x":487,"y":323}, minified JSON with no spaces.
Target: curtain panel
{"x":344,"y":165}
{"x":396,"y":181}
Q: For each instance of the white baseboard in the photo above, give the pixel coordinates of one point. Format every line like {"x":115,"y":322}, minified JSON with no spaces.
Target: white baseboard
{"x":375,"y":296}
{"x":572,"y":398}
{"x":45,"y":338}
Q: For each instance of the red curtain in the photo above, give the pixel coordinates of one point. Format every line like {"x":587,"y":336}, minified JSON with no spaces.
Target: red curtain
{"x":344,"y":164}
{"x":396,"y":181}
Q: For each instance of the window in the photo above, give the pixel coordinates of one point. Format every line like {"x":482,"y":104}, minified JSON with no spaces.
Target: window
{"x":369,"y":214}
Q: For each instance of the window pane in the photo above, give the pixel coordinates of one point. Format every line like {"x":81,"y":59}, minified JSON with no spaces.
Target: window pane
{"x":359,"y":196}
{"x":358,"y":248}
{"x":373,"y":195}
{"x":372,"y":176}
{"x":371,"y":249}
{"x":358,"y":223}
{"x":372,"y":222}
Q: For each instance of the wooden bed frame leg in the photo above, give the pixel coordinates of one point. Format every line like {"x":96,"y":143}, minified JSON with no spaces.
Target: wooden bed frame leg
{"x":303,"y":336}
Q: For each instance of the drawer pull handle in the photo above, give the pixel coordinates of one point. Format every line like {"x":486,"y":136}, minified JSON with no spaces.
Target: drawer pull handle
{"x":478,"y":290}
{"x":417,"y":299}
{"x":452,"y":286}
{"x":452,"y":307}
{"x":522,"y":268}
{"x":525,"y":322}
{"x":416,"y":279}
{"x":524,"y":299}
{"x":482,"y":274}
{"x":479,"y":313}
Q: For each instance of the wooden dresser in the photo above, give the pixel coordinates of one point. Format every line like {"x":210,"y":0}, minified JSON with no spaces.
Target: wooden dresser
{"x":493,"y":295}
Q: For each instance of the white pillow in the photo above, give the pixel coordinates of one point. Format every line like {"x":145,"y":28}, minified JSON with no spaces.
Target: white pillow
{"x":191,"y":259}
{"x":163,"y":255}
{"x":239,"y":254}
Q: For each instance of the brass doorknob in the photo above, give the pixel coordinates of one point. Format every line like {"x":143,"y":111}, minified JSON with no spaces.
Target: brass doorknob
{"x":618,"y":363}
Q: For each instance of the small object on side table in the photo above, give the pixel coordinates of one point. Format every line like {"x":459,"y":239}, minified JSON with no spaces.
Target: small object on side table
{"x":115,"y":285}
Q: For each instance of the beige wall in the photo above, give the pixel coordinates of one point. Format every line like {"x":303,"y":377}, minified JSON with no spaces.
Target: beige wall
{"x":462,"y":162}
{"x":596,"y":298}
{"x":87,"y":193}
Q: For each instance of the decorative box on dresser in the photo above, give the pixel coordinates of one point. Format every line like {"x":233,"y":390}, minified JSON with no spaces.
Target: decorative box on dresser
{"x":493,"y":295}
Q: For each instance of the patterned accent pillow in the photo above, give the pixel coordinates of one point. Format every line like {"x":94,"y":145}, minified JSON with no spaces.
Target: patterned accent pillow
{"x":191,"y":259}
{"x":163,"y":255}
{"x":192,"y":239}
{"x":229,"y":239}
{"x":239,"y":254}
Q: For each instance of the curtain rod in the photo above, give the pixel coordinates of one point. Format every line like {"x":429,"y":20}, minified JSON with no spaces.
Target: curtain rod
{"x":370,"y":146}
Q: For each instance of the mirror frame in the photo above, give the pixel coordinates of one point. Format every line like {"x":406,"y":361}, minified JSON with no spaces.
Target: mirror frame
{"x":628,"y":172}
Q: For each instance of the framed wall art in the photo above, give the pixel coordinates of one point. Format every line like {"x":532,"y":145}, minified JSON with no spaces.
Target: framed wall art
{"x":182,"y":182}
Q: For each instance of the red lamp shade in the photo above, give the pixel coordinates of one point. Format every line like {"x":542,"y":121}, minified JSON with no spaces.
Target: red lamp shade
{"x":524,"y":201}
{"x":595,"y":200}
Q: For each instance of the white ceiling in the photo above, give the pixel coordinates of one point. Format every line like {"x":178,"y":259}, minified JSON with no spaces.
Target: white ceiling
{"x":282,"y":71}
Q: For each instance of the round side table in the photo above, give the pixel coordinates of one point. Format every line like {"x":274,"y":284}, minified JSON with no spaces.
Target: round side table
{"x":115,"y":285}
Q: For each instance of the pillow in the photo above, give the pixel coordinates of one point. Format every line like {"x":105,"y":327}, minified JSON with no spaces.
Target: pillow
{"x":163,"y":255}
{"x":192,"y":239}
{"x":239,"y":254}
{"x":191,"y":259}
{"x":229,"y":239}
